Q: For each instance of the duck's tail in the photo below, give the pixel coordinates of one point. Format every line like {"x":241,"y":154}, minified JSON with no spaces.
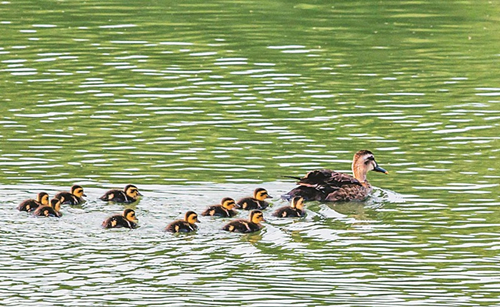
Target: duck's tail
{"x":293,"y":177}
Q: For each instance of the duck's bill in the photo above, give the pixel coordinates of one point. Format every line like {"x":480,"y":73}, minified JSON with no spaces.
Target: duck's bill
{"x":139,"y":194}
{"x":381,"y":170}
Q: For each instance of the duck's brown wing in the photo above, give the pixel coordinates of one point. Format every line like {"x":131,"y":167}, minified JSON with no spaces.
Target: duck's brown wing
{"x":325,"y":177}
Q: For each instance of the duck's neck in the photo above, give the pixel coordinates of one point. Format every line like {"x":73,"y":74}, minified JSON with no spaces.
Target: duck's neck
{"x":360,"y":174}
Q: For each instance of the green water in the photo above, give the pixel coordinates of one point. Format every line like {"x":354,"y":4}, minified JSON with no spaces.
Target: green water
{"x":195,"y":101}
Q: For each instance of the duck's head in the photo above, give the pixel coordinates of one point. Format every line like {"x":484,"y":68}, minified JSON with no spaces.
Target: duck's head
{"x":362,"y":163}
{"x":256,"y":216}
{"x":43,"y":198}
{"x":261,"y":194}
{"x":228,"y":203}
{"x":129,"y":215}
{"x":77,"y":191}
{"x":132,"y":191}
{"x":297,"y":203}
{"x":191,"y":217}
{"x":55,"y":204}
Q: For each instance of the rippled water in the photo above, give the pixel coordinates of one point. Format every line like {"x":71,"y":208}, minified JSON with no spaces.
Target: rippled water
{"x":195,"y":101}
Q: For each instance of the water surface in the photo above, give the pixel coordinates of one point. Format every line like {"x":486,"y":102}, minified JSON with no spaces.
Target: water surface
{"x":193,"y":102}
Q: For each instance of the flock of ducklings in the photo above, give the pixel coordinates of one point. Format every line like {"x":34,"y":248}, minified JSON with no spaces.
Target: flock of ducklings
{"x":317,"y":185}
{"x":41,"y":206}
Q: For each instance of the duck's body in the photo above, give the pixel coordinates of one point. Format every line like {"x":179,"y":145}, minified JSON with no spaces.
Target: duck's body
{"x":246,"y":226}
{"x":74,"y":197}
{"x":330,"y":186}
{"x":128,"y":195}
{"x":225,"y":209}
{"x":52,"y":210}
{"x":30,"y":205}
{"x":126,"y":220}
{"x":296,"y":209}
{"x":255,"y":202}
{"x":185,"y":225}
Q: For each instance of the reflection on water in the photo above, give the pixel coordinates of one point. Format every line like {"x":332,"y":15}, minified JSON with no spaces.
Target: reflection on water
{"x":197,"y":101}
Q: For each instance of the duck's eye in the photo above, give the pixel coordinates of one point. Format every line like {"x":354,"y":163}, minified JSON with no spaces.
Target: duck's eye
{"x":369,"y":159}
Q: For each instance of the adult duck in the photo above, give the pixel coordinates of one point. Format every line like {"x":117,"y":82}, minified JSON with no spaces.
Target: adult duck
{"x":330,"y":186}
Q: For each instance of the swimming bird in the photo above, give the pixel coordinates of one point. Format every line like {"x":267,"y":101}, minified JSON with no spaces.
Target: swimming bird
{"x":127,"y":219}
{"x":29,"y":205}
{"x":255,"y":202}
{"x":52,"y":210}
{"x":129,"y":195}
{"x":185,"y":225}
{"x":225,"y":209}
{"x":296,"y":209}
{"x":245,"y":226}
{"x":327,"y":185}
{"x":74,"y":197}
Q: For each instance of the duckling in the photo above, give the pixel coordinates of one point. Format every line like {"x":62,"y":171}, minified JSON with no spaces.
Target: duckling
{"x":245,"y":226}
{"x":72,"y":198}
{"x":127,"y":220}
{"x":255,"y":202}
{"x":330,"y":186}
{"x":128,"y":195}
{"x":30,"y":205}
{"x":225,"y":209}
{"x":185,"y":225}
{"x":52,"y":210}
{"x":296,"y":209}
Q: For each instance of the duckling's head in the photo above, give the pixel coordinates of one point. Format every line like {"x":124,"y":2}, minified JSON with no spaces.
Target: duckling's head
{"x":77,"y":191}
{"x":55,"y":204}
{"x":256,"y":216}
{"x":228,"y":203}
{"x":191,"y":217}
{"x":43,"y":198}
{"x":261,"y":194}
{"x":132,"y":191}
{"x":362,"y":163}
{"x":297,"y":203}
{"x":129,"y":215}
